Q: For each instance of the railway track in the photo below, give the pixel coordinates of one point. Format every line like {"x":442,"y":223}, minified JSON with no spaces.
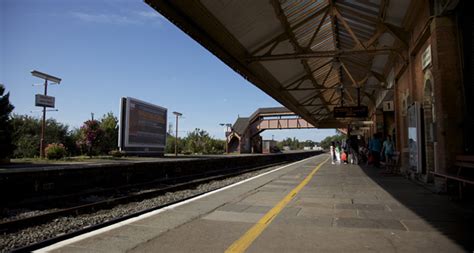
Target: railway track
{"x":161,"y":187}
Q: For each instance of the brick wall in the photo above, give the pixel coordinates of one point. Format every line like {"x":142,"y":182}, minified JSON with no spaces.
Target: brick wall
{"x":448,"y":86}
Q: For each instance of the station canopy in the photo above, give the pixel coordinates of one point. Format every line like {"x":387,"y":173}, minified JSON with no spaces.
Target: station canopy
{"x":309,"y":55}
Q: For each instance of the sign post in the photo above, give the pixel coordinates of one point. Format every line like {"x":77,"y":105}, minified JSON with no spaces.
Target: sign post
{"x":44,"y":101}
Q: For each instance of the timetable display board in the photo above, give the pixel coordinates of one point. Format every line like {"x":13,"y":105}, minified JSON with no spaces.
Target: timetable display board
{"x":142,"y":128}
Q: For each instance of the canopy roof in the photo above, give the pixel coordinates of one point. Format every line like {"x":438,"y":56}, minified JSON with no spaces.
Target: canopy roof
{"x":300,"y":52}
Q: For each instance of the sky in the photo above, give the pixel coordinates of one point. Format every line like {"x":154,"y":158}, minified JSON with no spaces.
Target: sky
{"x":107,"y":49}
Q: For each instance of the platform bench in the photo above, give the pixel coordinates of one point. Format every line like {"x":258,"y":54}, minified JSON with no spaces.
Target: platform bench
{"x":462,"y":162}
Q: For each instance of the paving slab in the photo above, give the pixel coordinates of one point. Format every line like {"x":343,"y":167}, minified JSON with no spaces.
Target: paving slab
{"x":232,"y":207}
{"x":389,"y":224}
{"x":234,"y":216}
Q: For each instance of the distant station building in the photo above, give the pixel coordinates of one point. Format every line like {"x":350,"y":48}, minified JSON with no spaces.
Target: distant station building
{"x":269,"y":146}
{"x":244,"y":136}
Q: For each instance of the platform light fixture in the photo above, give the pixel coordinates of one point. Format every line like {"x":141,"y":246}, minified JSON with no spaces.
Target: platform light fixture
{"x":53,"y":79}
{"x":228,"y":126}
{"x":178,"y":114}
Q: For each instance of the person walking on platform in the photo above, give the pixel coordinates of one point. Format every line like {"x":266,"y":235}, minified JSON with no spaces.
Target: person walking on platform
{"x":354,"y":149}
{"x":338,"y":152}
{"x":333,"y":153}
{"x":375,"y":147}
{"x":387,"y":149}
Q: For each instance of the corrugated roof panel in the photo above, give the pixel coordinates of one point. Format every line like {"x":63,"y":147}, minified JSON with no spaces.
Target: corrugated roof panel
{"x":284,"y":70}
{"x":363,"y":6}
{"x":321,"y":74}
{"x":379,"y":62}
{"x":306,"y":84}
{"x":283,"y":47}
{"x":324,"y":38}
{"x":396,"y":11}
{"x":250,"y":26}
{"x":302,"y":94}
{"x":305,"y":33}
{"x":302,"y":9}
{"x":386,"y":40}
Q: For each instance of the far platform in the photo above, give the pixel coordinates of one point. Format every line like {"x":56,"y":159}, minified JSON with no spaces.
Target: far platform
{"x":342,"y":208}
{"x":33,"y":164}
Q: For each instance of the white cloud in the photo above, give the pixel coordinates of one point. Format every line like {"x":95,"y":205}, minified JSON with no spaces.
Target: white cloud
{"x":105,"y":18}
{"x":130,"y":18}
{"x":150,"y":14}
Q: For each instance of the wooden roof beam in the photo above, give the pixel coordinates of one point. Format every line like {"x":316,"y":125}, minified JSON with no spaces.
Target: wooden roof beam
{"x":381,"y":78}
{"x":399,"y":33}
{"x":323,"y":54}
{"x":348,"y":28}
{"x":348,"y":73}
{"x":317,"y":29}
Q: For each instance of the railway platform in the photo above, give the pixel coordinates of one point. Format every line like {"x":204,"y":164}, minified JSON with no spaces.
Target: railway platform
{"x":307,"y":206}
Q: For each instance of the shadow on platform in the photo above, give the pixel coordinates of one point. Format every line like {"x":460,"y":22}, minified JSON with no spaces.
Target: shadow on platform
{"x":452,"y":218}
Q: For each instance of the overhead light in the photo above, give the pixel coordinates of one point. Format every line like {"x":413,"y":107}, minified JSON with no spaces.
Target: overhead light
{"x":362,"y":122}
{"x":46,"y":76}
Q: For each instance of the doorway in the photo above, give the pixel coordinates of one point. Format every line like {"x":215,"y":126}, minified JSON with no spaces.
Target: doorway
{"x":429,"y":126}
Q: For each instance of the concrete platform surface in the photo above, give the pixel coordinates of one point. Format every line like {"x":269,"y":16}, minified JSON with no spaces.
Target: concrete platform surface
{"x":343,"y":208}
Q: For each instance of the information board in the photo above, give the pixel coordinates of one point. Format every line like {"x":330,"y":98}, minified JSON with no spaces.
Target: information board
{"x":142,"y":127}
{"x":46,"y":101}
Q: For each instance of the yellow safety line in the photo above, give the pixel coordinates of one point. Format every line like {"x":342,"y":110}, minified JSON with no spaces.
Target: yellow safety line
{"x":246,"y":240}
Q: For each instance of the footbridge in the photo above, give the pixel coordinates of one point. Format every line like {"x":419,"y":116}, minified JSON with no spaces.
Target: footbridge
{"x":244,"y":135}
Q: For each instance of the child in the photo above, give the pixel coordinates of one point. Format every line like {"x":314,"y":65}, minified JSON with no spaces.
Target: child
{"x":344,"y":157}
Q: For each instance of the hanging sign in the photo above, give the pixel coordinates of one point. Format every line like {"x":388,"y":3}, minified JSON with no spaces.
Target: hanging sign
{"x":387,"y":106}
{"x":351,"y":112}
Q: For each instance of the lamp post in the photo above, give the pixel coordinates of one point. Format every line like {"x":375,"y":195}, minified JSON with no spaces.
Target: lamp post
{"x":44,"y":101}
{"x":176,"y":141}
{"x":227,"y":126}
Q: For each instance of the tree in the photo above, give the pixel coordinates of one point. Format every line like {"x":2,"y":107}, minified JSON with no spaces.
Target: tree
{"x":109,"y":126}
{"x":326,"y":143}
{"x":91,"y":136}
{"x":170,"y":140}
{"x":294,"y":143}
{"x":71,"y":140}
{"x":26,"y":135}
{"x":308,"y":143}
{"x":196,"y":141}
{"x":6,"y":146}
{"x":199,"y":142}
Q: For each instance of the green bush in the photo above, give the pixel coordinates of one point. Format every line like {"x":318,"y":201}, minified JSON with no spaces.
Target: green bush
{"x":55,"y":151}
{"x":116,"y":153}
